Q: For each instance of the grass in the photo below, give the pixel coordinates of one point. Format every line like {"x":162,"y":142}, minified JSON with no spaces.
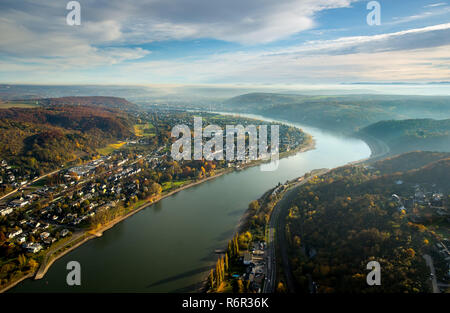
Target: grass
{"x":176,"y":184}
{"x":111,"y":147}
{"x":144,"y":130}
{"x":21,"y":104}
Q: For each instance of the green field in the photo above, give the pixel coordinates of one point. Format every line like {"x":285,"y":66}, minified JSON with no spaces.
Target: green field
{"x":144,"y":130}
{"x":172,"y":185}
{"x":18,"y":104}
{"x":111,"y":147}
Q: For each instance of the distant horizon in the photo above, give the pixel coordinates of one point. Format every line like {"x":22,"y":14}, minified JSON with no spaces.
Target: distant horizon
{"x":399,"y":88}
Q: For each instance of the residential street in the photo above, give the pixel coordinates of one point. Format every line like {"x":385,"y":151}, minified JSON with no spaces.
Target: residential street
{"x":430,"y":264}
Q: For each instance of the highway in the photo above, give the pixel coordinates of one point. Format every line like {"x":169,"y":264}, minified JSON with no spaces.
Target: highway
{"x":430,"y":264}
{"x":276,"y":236}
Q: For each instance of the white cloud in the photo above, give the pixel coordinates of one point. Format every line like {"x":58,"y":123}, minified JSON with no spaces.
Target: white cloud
{"x":42,"y":46}
{"x":410,"y":55}
{"x":434,"y":5}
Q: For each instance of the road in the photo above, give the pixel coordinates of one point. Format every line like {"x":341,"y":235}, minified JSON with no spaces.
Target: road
{"x":276,"y":236}
{"x":49,"y":255}
{"x":30,"y":183}
{"x":430,"y":264}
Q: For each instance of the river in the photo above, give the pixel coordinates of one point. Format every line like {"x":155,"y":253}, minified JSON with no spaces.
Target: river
{"x":169,"y":246}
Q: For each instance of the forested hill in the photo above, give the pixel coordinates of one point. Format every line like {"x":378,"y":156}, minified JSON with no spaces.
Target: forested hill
{"x":345,"y":114}
{"x":409,"y":161}
{"x":107,"y":102}
{"x":409,"y":135}
{"x":40,"y":139}
{"x":342,"y":220}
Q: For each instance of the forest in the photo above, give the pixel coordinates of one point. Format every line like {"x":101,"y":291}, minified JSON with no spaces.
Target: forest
{"x":342,"y":220}
{"x":414,"y":134}
{"x":39,"y":139}
{"x":345,"y":114}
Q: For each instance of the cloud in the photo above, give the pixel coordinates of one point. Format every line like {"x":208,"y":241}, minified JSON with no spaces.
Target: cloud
{"x":425,"y":15}
{"x":410,"y":55}
{"x":434,"y":5}
{"x":36,"y":31}
{"x":108,"y":46}
{"x":246,"y":22}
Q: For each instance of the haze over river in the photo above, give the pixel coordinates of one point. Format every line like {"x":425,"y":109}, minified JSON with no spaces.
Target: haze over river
{"x":169,"y":246}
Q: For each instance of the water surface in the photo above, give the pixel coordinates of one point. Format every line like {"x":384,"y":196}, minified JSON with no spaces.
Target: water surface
{"x":169,"y":246}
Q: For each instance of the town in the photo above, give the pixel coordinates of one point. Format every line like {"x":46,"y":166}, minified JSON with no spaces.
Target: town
{"x":40,"y":214}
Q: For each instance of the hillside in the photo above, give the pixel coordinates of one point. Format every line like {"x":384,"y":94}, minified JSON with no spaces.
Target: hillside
{"x":106,"y":102}
{"x":345,"y":114}
{"x":408,"y":161}
{"x":40,"y":139}
{"x":348,"y":217}
{"x":409,"y":135}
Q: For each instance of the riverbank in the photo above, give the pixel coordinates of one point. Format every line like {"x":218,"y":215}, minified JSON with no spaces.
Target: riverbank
{"x":54,"y":255}
{"x":378,"y":150}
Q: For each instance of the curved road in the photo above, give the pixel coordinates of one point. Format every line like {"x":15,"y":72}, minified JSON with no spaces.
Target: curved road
{"x":277,"y":237}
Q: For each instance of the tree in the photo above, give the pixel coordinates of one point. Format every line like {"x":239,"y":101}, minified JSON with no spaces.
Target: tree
{"x":254,"y":205}
{"x":32,"y":264}
{"x":240,"y":284}
{"x":226,"y":263}
{"x":156,"y":189}
{"x":22,"y":260}
{"x":211,"y":279}
{"x":281,"y":288}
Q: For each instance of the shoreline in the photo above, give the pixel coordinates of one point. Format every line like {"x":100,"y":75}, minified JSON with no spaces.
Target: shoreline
{"x":378,"y":150}
{"x":45,"y":266}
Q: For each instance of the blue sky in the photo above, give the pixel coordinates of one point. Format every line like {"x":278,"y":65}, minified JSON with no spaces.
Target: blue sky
{"x":259,"y":42}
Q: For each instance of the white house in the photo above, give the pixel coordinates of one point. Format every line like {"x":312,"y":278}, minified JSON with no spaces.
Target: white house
{"x":14,"y":234}
{"x":6,"y":211}
{"x":33,"y":247}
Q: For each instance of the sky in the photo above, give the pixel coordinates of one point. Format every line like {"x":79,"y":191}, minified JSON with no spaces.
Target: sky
{"x":237,"y":42}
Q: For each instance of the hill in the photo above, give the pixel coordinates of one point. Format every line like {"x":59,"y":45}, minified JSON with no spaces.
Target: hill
{"x":408,"y":161}
{"x":40,"y":139}
{"x":341,"y":221}
{"x":97,"y":101}
{"x":345,"y":114}
{"x":409,"y":135}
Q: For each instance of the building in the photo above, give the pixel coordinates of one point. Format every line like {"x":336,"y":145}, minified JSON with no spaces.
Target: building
{"x":6,"y":211}
{"x":33,"y":247}
{"x":247,"y":258}
{"x":20,"y":203}
{"x":15,"y":233}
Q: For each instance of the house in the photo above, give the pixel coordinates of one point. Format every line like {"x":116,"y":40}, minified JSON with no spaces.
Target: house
{"x":6,"y":211}
{"x":19,"y":203}
{"x":64,"y":232}
{"x":247,"y":258}
{"x":33,"y":247}
{"x":15,"y":233}
{"x":44,"y":235}
{"x":21,"y":239}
